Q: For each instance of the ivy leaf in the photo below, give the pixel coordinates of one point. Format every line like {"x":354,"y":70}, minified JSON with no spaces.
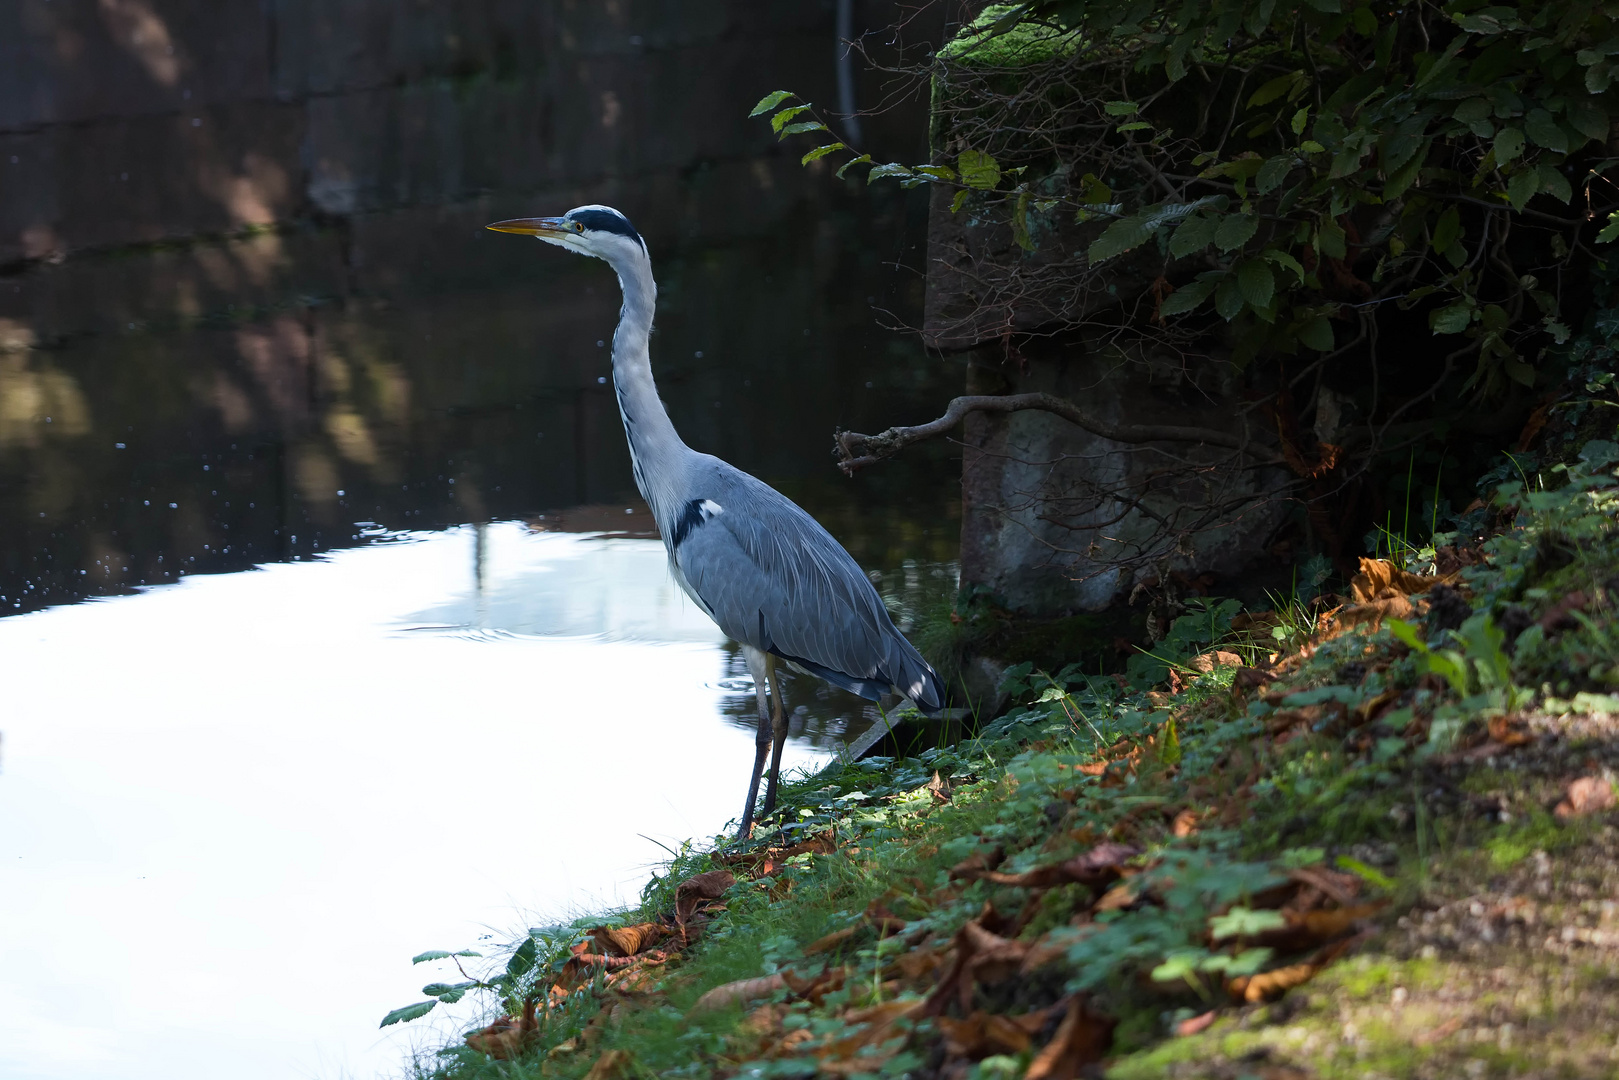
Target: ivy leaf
{"x":1193,"y":235}
{"x":770,"y":101}
{"x":1522,"y":187}
{"x":1228,"y":298}
{"x":409,"y":1012}
{"x":1555,"y":184}
{"x":1189,"y":296}
{"x":821,"y":152}
{"x":1543,"y":131}
{"x":1257,"y":282}
{"x":978,"y":169}
{"x":780,"y":120}
{"x":1235,"y":230}
{"x":1317,"y":334}
{"x":1508,"y":144}
{"x":1452,"y":319}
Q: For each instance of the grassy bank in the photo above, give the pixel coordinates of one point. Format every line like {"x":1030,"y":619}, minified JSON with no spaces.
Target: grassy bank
{"x":1357,"y":839}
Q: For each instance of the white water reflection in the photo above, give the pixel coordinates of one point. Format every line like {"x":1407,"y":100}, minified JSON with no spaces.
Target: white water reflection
{"x":231,"y":809}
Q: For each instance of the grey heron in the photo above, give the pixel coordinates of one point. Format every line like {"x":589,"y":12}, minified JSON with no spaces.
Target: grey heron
{"x":767,"y":573}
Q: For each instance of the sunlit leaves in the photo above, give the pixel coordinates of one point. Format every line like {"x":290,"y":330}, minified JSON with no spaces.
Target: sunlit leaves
{"x":978,"y":169}
{"x":821,"y":152}
{"x":782,"y":118}
{"x":1242,"y":922}
{"x":770,"y":101}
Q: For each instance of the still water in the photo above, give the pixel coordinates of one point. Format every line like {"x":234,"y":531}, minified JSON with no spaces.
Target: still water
{"x":300,"y":682}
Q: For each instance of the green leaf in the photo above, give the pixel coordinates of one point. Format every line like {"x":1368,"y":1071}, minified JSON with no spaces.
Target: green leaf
{"x":1274,"y":89}
{"x":936,"y":172}
{"x":1610,"y":231}
{"x":1523,"y":186}
{"x":770,"y":101}
{"x":1241,"y":922}
{"x":1235,"y":230}
{"x":1189,"y":296}
{"x":1555,"y":184}
{"x":439,"y":954}
{"x":799,"y":129}
{"x":1317,"y":334}
{"x":1329,"y":239}
{"x":1134,"y":126}
{"x":890,"y":169}
{"x":1543,"y":131}
{"x":1282,"y":258}
{"x":1272,"y":173}
{"x":1474,"y":109}
{"x":863,"y":159}
{"x":1133,"y":231}
{"x":1452,"y":319}
{"x":1587,"y":118}
{"x":1598,"y":77}
{"x":821,"y":152}
{"x":1448,"y":229}
{"x":1020,"y":222}
{"x":523,"y":958}
{"x":1372,"y":877}
{"x":447,"y":992}
{"x":1407,"y":633}
{"x":409,"y":1012}
{"x":1093,"y":192}
{"x":978,"y":169}
{"x":1170,"y":751}
{"x":1257,"y":282}
{"x":1508,"y":144}
{"x":1192,"y":235}
{"x":960,"y":200}
{"x":1228,"y":298}
{"x":1121,"y":108}
{"x":1300,"y":119}
{"x":780,"y":120}
{"x":1310,"y":146}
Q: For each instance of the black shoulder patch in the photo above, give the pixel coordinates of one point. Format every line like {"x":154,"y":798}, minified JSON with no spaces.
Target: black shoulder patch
{"x":691,"y":517}
{"x":607,"y":221}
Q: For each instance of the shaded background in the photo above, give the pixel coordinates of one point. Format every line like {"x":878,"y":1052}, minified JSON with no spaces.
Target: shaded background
{"x":246,"y":300}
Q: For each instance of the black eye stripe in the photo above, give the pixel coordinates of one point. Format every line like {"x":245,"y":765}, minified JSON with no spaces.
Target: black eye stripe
{"x":607,"y":221}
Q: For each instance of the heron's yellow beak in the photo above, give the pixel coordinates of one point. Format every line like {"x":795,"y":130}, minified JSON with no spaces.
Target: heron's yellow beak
{"x":533,"y":226}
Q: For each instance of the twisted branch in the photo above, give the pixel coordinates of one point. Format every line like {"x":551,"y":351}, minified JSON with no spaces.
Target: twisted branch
{"x":856,"y":451}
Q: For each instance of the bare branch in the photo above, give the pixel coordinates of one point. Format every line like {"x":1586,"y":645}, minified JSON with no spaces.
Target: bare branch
{"x":856,"y":451}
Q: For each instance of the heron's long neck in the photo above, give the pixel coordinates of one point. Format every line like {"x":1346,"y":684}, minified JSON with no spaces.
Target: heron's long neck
{"x":654,"y":445}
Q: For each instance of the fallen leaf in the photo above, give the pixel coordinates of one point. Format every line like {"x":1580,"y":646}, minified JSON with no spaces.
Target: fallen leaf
{"x":830,"y":941}
{"x":1081,"y":1039}
{"x":1207,"y":662}
{"x":1256,"y":988}
{"x":508,"y":1036}
{"x":733,"y":993}
{"x":1448,"y":1028}
{"x":815,"y":988}
{"x":1194,"y":1024}
{"x":877,"y":1040}
{"x":699,"y":889}
{"x":1119,"y":896}
{"x":978,"y":862}
{"x":1587,"y":795}
{"x":1323,"y":925}
{"x":983,"y":1034}
{"x":613,"y":1065}
{"x":1185,"y":824}
{"x":1508,"y":730}
{"x":627,"y":940}
{"x":1340,"y":886}
{"x":1380,"y":579}
{"x":1561,"y":614}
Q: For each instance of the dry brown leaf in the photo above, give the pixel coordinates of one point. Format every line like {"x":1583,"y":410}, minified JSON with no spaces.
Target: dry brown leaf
{"x":1380,"y":579}
{"x":1339,"y":886}
{"x":877,"y":1040}
{"x":1081,"y":1039}
{"x":983,"y":1034}
{"x":1324,"y":925}
{"x":978,"y":862}
{"x":613,"y":1065}
{"x":742,"y":990}
{"x":816,"y":987}
{"x":1119,"y":896}
{"x":1448,"y":1028}
{"x":1561,"y":614}
{"x":700,"y":889}
{"x":1587,"y":795}
{"x":627,"y":940}
{"x":1043,"y":950}
{"x":1373,"y":613}
{"x":1256,"y":988}
{"x":1207,"y":662}
{"x":1185,"y":823}
{"x":508,"y":1036}
{"x":830,"y":941}
{"x":1508,"y":730}
{"x":1194,"y":1024}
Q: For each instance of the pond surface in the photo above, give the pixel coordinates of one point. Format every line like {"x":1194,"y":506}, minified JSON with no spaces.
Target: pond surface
{"x":305,"y":677}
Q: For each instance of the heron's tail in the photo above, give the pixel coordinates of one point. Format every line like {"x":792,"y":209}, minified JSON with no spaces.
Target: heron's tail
{"x":919,"y":682}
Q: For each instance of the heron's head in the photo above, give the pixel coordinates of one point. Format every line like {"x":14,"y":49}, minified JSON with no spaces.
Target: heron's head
{"x":589,"y":230}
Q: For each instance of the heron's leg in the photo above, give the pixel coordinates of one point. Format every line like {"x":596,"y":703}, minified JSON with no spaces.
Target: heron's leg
{"x":759,"y":668}
{"x":778,"y":720}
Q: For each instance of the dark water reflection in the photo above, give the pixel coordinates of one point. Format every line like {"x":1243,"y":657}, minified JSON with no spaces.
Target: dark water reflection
{"x":463,"y":384}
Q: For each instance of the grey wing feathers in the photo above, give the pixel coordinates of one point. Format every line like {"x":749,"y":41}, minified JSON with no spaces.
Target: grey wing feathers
{"x":773,"y":578}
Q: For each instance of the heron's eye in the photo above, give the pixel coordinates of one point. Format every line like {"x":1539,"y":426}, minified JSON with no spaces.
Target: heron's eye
{"x":579,"y":226}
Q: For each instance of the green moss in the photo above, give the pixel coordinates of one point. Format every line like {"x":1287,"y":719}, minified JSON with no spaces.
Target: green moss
{"x":1024,"y":44}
